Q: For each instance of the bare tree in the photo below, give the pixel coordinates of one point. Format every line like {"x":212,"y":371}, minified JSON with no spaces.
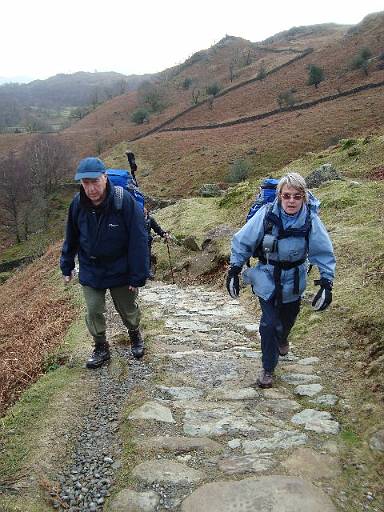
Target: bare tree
{"x":231,"y":68}
{"x":247,"y":58}
{"x":195,"y":95}
{"x":15,"y":196}
{"x":95,"y":98}
{"x":152,"y":95}
{"x":47,"y":159}
{"x":122,"y":86}
{"x":233,"y":64}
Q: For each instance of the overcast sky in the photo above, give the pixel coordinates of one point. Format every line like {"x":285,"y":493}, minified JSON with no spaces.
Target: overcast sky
{"x":40,"y":38}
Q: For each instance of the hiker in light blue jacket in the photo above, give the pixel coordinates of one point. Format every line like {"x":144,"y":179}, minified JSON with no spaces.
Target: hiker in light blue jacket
{"x":284,"y":236}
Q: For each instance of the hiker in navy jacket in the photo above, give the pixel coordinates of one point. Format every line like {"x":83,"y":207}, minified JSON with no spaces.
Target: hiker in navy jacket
{"x":112,"y":247}
{"x":284,"y":236}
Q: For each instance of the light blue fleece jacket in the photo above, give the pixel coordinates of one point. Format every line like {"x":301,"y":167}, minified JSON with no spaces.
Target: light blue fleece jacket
{"x":319,"y":252}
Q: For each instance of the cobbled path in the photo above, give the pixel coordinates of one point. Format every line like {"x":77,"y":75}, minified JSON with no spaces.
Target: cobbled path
{"x":208,"y":439}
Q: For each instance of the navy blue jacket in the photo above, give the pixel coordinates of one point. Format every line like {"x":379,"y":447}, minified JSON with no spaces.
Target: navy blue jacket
{"x":112,"y":245}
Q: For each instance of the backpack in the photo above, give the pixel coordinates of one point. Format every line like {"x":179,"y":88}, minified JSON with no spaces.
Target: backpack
{"x":267,"y":195}
{"x":123,"y":179}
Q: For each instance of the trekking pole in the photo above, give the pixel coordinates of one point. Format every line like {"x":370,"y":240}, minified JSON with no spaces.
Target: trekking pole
{"x":170,"y":261}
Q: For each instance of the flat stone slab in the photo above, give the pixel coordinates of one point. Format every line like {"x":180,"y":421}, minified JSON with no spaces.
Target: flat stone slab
{"x":189,"y":325}
{"x":275,"y":394}
{"x":308,"y":389}
{"x":251,"y":327}
{"x":317,"y":421}
{"x":237,"y":464}
{"x":187,"y":353}
{"x":152,"y":411}
{"x":376,"y":442}
{"x":325,"y":400}
{"x":268,"y":493}
{"x":234,"y":394}
{"x":167,"y":472}
{"x":280,"y":408}
{"x":282,"y":440}
{"x":132,"y":501}
{"x":308,"y":361}
{"x":218,"y":421}
{"x":299,"y":378}
{"x":247,"y":353}
{"x":312,"y":465}
{"x":300,"y":368}
{"x":180,"y":444}
{"x":234,"y":443}
{"x":181,"y":393}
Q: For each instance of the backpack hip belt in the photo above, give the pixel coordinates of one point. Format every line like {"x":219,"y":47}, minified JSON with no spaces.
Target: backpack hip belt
{"x":278,"y":267}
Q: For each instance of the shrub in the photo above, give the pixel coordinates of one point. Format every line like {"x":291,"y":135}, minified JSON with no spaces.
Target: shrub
{"x":262,"y":73}
{"x":238,"y":171}
{"x":140,"y":116}
{"x":361,"y":61}
{"x":213,"y":89}
{"x":315,"y":75}
{"x":187,"y":82}
{"x":286,"y":99}
{"x":152,"y":96}
{"x":347,"y":143}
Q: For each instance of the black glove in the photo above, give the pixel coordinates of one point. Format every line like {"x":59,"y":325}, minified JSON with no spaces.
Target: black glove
{"x":323,"y":297}
{"x":233,"y":284}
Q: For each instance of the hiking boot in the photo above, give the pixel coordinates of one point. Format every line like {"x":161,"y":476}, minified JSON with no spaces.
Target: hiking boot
{"x":100,"y":355}
{"x":284,"y":349}
{"x":137,"y":343}
{"x":265,"y":379}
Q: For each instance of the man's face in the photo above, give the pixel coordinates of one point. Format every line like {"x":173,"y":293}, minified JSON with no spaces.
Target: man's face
{"x":95,"y":188}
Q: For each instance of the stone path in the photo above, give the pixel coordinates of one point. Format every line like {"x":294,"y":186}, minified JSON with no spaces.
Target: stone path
{"x":208,"y":438}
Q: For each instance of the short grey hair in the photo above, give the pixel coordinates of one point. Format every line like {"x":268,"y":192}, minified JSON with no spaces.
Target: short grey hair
{"x":296,"y":181}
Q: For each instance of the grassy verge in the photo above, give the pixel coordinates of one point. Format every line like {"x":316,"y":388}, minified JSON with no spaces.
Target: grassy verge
{"x":35,"y":432}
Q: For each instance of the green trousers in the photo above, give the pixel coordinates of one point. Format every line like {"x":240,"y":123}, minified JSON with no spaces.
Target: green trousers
{"x":125,"y":304}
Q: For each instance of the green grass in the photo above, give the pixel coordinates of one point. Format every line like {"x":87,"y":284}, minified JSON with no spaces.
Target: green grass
{"x":17,"y":504}
{"x":370,"y":155}
{"x":350,"y":438}
{"x":22,"y":424}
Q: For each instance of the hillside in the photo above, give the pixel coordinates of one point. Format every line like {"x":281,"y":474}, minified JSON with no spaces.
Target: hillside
{"x":234,"y":64}
{"x":43,"y":101}
{"x":265,"y":143}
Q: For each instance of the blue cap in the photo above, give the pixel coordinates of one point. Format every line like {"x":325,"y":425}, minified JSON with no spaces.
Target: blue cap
{"x":90,"y":167}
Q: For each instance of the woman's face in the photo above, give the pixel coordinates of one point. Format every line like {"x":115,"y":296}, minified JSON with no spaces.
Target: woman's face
{"x":291,"y":199}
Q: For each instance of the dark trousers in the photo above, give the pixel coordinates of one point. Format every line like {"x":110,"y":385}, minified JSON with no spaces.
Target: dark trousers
{"x":275,"y":325}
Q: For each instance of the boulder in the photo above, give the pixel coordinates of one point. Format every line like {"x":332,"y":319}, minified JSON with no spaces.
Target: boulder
{"x":322,"y":174}
{"x":210,"y":190}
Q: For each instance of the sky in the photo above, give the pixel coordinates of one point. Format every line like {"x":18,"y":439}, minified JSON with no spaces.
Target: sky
{"x":40,"y":38}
